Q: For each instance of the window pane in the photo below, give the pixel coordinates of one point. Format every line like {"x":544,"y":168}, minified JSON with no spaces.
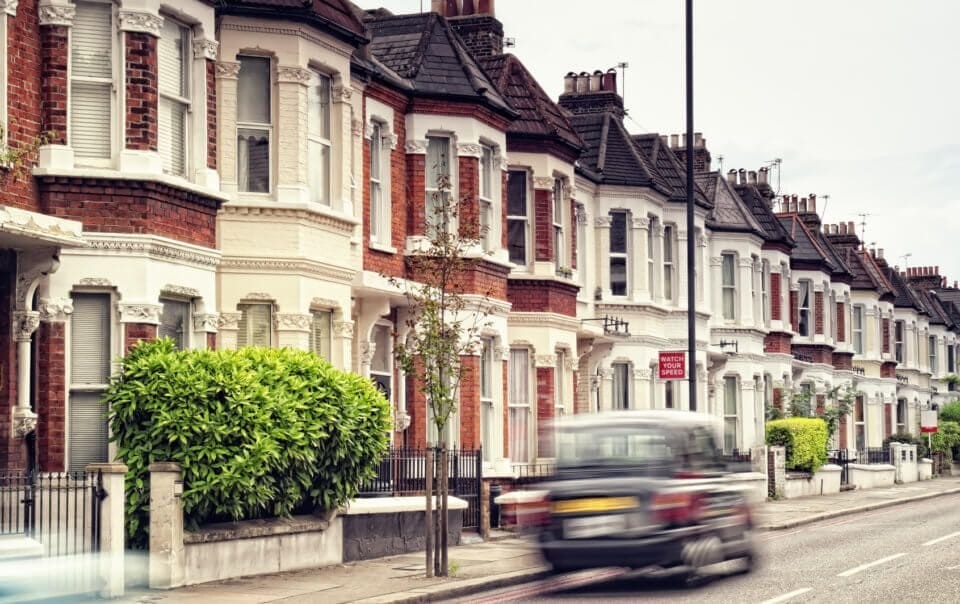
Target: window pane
{"x":438,"y":161}
{"x":668,"y":282}
{"x":517,"y":193}
{"x":618,"y":276}
{"x":91,"y":41}
{"x":729,"y":396}
{"x":253,"y":160}
{"x":558,"y":194}
{"x":618,"y":232}
{"x":90,"y":119}
{"x":88,"y":430}
{"x":376,"y":146}
{"x":668,"y":244}
{"x":90,"y":339}
{"x":253,"y":90}
{"x":486,"y":430}
{"x":486,"y":173}
{"x":729,"y":269}
{"x":517,"y":241}
{"x":729,"y":303}
{"x":621,"y":386}
{"x":486,"y":369}
{"x":256,"y":322}
{"x":321,"y":332}
{"x":171,"y":129}
{"x":175,"y":321}
{"x":170,"y":59}
{"x":729,"y":434}
{"x":318,"y":106}
{"x":318,"y":162}
{"x":519,"y":431}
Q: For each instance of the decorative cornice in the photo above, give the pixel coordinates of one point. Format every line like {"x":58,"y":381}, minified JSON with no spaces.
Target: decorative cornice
{"x":94,"y":282}
{"x":294,"y":321}
{"x":469,"y":150}
{"x":324,"y":304}
{"x":31,"y":267}
{"x":55,"y":309}
{"x":570,"y":362}
{"x":543,"y":182}
{"x":415,"y":147}
{"x":181,"y":291}
{"x":24,"y":422}
{"x":543,"y":320}
{"x":343,"y":225}
{"x":262,"y":296}
{"x":229,"y":320}
{"x":152,"y":249}
{"x":343,"y":329}
{"x":207,"y":322}
{"x":265,"y":265}
{"x":293,"y":75}
{"x":289,"y":33}
{"x":745,"y":263}
{"x":25,"y":322}
{"x":542,"y":361}
{"x":59,"y":14}
{"x":602,"y":222}
{"x":205,"y":48}
{"x":142,"y":22}
{"x":502,"y":353}
{"x":341,"y":94}
{"x":9,"y":7}
{"x":641,"y":223}
{"x":391,"y":140}
{"x":140,"y":313}
{"x":228,"y":70}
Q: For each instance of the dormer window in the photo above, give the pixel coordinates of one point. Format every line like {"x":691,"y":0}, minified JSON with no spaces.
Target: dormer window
{"x":254,"y":125}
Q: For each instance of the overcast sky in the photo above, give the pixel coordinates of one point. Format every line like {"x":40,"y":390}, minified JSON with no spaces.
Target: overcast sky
{"x":858,"y":97}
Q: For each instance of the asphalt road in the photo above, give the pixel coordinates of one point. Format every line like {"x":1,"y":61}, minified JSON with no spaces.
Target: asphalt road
{"x":906,"y":553}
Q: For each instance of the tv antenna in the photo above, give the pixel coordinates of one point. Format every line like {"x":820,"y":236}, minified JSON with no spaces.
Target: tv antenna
{"x":826,"y":200}
{"x":622,"y":66}
{"x":863,"y":228}
{"x":777,"y":163}
{"x":720,"y":159}
{"x":906,"y":258}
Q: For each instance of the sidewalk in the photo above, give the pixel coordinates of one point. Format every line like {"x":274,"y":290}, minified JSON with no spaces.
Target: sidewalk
{"x":490,"y":565}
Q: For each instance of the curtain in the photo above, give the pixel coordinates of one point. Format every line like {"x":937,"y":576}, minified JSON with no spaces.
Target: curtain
{"x":519,"y":404}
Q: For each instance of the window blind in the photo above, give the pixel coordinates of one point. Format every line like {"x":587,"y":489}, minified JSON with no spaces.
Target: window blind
{"x":88,"y":430}
{"x":175,"y":321}
{"x":174,"y":102}
{"x":91,"y":72}
{"x":90,"y":339}
{"x":255,"y":325}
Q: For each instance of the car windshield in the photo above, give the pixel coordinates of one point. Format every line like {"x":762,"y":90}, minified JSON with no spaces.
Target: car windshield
{"x":611,"y":445}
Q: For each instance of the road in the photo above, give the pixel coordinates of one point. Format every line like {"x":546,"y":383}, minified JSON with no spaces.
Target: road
{"x":906,"y":553}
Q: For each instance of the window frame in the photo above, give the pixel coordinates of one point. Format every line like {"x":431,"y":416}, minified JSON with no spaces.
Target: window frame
{"x":765,"y":291}
{"x":487,"y":401}
{"x":668,"y":258}
{"x":859,"y":422}
{"x":315,"y":136}
{"x":185,"y":100}
{"x":580,"y":218}
{"x":653,"y":222}
{"x":379,"y":206}
{"x":557,"y":219}
{"x":932,"y":354}
{"x":242,"y":309}
{"x":187,"y":332}
{"x":518,"y":218}
{"x":485,"y":205}
{"x":435,"y":196}
{"x":519,"y":408}
{"x":624,"y":389}
{"x":857,"y":311}
{"x":899,"y":334}
{"x":900,"y":416}
{"x":116,"y":61}
{"x":731,"y":382}
{"x":728,"y":289}
{"x":617,"y":257}
{"x":268,"y":128}
{"x":77,"y":389}
{"x":320,"y":315}
{"x":804,"y":307}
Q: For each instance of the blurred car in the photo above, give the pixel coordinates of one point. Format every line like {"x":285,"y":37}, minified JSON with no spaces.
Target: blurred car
{"x":642,"y":489}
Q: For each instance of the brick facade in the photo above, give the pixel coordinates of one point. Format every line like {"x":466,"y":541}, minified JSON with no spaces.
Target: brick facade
{"x":844,"y":419}
{"x":23,"y":119}
{"x":142,"y":91}
{"x":776,"y":297}
{"x":818,"y":353}
{"x":888,"y":369}
{"x":818,"y":312}
{"x":478,"y":277}
{"x":120,"y":206}
{"x":777,"y":343}
{"x":51,"y":396}
{"x":794,"y":310}
{"x":538,"y":295}
{"x":544,"y":414}
{"x":843,"y":361}
{"x":8,"y":358}
{"x":135,"y":332}
{"x":375,"y":260}
{"x":54,"y":50}
{"x":211,"y":114}
{"x":543,"y":224}
{"x":841,"y":334}
{"x":887,"y":420}
{"x":885,"y":335}
{"x":469,"y":411}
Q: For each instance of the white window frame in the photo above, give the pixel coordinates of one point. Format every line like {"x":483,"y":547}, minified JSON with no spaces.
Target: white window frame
{"x":856,"y":332}
{"x":487,"y":403}
{"x":900,"y":420}
{"x":558,"y":197}
{"x":244,"y":322}
{"x":805,"y":311}
{"x":731,"y":386}
{"x":765,"y":291}
{"x":581,"y":225}
{"x":380,"y":217}
{"x":256,"y":126}
{"x":432,"y":193}
{"x":184,"y":100}
{"x":651,"y":255}
{"x":318,"y":316}
{"x":117,"y":61}
{"x":315,"y":136}
{"x":831,"y":312}
{"x":517,"y":218}
{"x":899,"y":333}
{"x":487,"y":186}
{"x":618,"y":256}
{"x":186,"y":339}
{"x":559,"y":380}
{"x":728,"y":287}
{"x":78,"y":388}
{"x":932,"y":353}
{"x":519,"y":405}
{"x":625,"y":389}
{"x":669,"y":274}
{"x":859,"y":422}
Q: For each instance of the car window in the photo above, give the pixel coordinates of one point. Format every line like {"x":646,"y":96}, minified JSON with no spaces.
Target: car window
{"x":615,"y":446}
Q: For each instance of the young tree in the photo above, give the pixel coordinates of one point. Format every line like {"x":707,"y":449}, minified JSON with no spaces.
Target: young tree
{"x":445,"y":324}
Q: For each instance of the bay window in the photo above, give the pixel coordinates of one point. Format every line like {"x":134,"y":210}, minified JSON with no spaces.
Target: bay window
{"x":256,"y":325}
{"x":318,"y":137}
{"x":517,"y":217}
{"x":803,"y":305}
{"x":173,"y":65}
{"x":618,"y":253}
{"x":898,"y":334}
{"x":254,"y":125}
{"x":486,"y":198}
{"x":765,"y":291}
{"x":518,"y":405}
{"x":728,"y":266}
{"x":379,"y":214}
{"x":91,"y":81}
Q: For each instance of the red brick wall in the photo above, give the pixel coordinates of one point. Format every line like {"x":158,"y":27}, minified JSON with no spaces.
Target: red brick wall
{"x":51,"y":396}
{"x":841,"y":334}
{"x":480,"y":277}
{"x":794,"y":310}
{"x":778,"y":398}
{"x":8,"y":357}
{"x":821,"y":403}
{"x":23,"y":100}
{"x":843,"y":431}
{"x":777,"y":343}
{"x":885,"y":334}
{"x":469,"y":109}
{"x":114,"y":206}
{"x":400,"y":200}
{"x":211,"y":341}
{"x":503,"y":210}
{"x":416,"y":433}
{"x":53,"y":89}
{"x":141,"y":84}
{"x":416,"y":194}
{"x":887,"y":420}
{"x":470,"y":402}
{"x":134,"y":332}
{"x":545,"y":405}
{"x":819,"y":353}
{"x":776,"y":297}
{"x":469,"y":194}
{"x":818,"y":312}
{"x":211,"y":114}
{"x":573,"y":234}
{"x":543,"y":224}
{"x":537,"y":295}
{"x":843,"y":361}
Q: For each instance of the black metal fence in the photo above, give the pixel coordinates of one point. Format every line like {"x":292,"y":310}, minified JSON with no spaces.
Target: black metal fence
{"x":738,"y":460}
{"x":60,"y":510}
{"x":527,"y":474}
{"x":844,"y":457}
{"x":403,"y":471}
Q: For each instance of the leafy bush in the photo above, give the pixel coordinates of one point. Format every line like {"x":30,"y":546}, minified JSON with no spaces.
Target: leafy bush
{"x":947,"y":439}
{"x":805,"y":440}
{"x":258,"y":432}
{"x":908,"y":439}
{"x":950,"y":412}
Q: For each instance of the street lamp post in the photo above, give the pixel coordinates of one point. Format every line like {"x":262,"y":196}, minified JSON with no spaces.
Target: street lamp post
{"x":691,"y":239}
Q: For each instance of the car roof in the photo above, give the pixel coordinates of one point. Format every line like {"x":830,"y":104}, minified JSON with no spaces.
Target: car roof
{"x":667,"y":418}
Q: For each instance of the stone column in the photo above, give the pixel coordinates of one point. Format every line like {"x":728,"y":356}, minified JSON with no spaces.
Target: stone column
{"x":642,"y":386}
{"x":228,"y":327}
{"x":606,"y":389}
{"x":227,"y":75}
{"x":205,"y":330}
{"x":680,"y":263}
{"x":716,"y":289}
{"x":141,"y":29}
{"x":293,"y":330}
{"x":602,"y":226}
{"x":342,"y":346}
{"x":204,"y":139}
{"x":656,"y":288}
{"x":290,"y":135}
{"x":341,"y":129}
{"x":638,"y":259}
{"x":51,"y":383}
{"x":167,"y":556}
{"x":112,"y":528}
{"x":744,"y":285}
{"x":25,"y":322}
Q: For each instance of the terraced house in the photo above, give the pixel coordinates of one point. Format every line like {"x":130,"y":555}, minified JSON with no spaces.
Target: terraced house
{"x":257,"y":172}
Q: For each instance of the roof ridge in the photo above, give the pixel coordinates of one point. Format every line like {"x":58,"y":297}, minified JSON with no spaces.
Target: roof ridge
{"x":602,"y":151}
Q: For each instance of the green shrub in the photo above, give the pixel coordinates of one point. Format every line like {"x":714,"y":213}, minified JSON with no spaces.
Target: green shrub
{"x":805,"y":440}
{"x":950,"y":412}
{"x":947,"y":439}
{"x":258,"y":432}
{"x":909,"y":439}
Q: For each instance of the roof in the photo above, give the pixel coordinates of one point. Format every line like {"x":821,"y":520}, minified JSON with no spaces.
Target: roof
{"x":773,"y":229}
{"x":339,"y":16}
{"x":811,"y":246}
{"x":610,"y":157}
{"x":668,"y":167}
{"x":729,"y":211}
{"x":539,"y":116}
{"x":937,"y":311}
{"x":866,"y":274}
{"x":903,"y":294}
{"x":424,"y":50}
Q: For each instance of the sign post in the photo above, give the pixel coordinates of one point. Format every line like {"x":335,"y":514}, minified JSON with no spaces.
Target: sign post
{"x":672,"y":365}
{"x":928,"y":426}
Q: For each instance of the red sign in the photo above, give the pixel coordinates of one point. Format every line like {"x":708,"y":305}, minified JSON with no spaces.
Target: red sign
{"x":928,"y":421}
{"x":673,"y":365}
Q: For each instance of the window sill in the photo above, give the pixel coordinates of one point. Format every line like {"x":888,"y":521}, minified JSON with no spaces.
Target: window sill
{"x":111,"y":174}
{"x":379,"y":247}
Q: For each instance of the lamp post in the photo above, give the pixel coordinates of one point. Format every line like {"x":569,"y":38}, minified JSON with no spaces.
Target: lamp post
{"x":691,"y":239}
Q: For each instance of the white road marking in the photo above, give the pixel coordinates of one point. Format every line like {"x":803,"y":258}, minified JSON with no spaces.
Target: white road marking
{"x":944,"y":538}
{"x":785,"y":597}
{"x":864,"y":567}
{"x":953,"y":567}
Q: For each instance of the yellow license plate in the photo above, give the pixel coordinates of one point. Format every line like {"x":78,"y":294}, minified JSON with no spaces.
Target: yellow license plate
{"x":595,"y":504}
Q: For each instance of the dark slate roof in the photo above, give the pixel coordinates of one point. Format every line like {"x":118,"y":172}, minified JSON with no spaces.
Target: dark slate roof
{"x":812,"y":247}
{"x":610,"y":156}
{"x":424,"y":50}
{"x":950,"y":298}
{"x":539,"y":116}
{"x":904,"y":296}
{"x":866,"y":274}
{"x":938,"y":313}
{"x":669,"y":169}
{"x":773,"y":230}
{"x":729,"y":212}
{"x":339,"y":16}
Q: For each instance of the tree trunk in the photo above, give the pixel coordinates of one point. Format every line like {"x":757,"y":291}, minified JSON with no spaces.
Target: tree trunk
{"x":429,"y":525}
{"x":444,"y":519}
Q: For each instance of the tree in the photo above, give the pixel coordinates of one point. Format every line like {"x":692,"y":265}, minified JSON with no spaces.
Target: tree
{"x":445,"y":323}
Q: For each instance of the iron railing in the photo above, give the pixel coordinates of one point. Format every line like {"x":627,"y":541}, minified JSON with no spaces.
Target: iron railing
{"x":526,"y":474}
{"x":738,"y":460}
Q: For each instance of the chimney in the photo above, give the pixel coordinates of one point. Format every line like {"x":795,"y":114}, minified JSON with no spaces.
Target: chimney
{"x":753,"y":176}
{"x":843,"y":228}
{"x":674,"y":141}
{"x":803,"y":205}
{"x":812,"y":203}
{"x":698,"y":142}
{"x":763,"y":175}
{"x":569,"y":83}
{"x":593,"y":93}
{"x":595,"y":81}
{"x":732,"y":176}
{"x":743,"y":176}
{"x":701,"y":155}
{"x":880,"y":253}
{"x":477,"y":24}
{"x":583,"y":82}
{"x":609,"y":82}
{"x":852,"y":228}
{"x":664,"y":140}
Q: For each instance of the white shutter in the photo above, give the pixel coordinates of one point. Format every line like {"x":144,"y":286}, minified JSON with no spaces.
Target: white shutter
{"x":90,"y":339}
{"x":320,"y":333}
{"x":91,"y":72}
{"x":91,"y":41}
{"x":90,"y":119}
{"x":255,"y":325}
{"x":88,"y":430}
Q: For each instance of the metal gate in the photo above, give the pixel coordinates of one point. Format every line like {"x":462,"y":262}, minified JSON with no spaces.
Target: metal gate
{"x":60,"y":510}
{"x":841,"y":457}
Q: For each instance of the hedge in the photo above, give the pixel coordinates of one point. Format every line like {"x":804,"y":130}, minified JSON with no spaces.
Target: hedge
{"x":258,"y":432}
{"x":805,"y":440}
{"x":950,"y":412}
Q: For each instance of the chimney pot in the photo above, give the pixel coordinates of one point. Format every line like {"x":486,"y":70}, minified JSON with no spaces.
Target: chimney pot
{"x":583,"y":82}
{"x":675,"y":141}
{"x":880,"y":253}
{"x":595,"y":81}
{"x":936,"y":270}
{"x":451,"y":9}
{"x":851,"y":228}
{"x":835,"y":229}
{"x":763,"y":175}
{"x":813,"y":203}
{"x":570,"y":83}
{"x":732,"y":176}
{"x":753,"y":176}
{"x":842,"y":228}
{"x":683,"y":141}
{"x":468,"y":8}
{"x":743,"y":176}
{"x":664,"y":140}
{"x":609,"y":81}
{"x":698,"y":140}
{"x":803,"y":205}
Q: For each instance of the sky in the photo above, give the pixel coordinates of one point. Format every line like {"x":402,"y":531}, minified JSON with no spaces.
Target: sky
{"x":858,"y":98}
